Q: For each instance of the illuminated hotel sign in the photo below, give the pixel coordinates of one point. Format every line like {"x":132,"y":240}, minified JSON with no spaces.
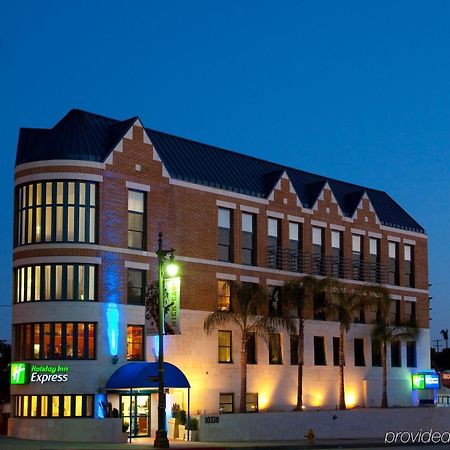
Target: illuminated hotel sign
{"x":425,"y":381}
{"x":24,"y":373}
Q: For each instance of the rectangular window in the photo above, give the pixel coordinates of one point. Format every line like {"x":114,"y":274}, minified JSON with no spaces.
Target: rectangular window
{"x":318,"y":251}
{"x":411,"y":354}
{"x":136,"y":287}
{"x":295,"y":247}
{"x":319,"y":351}
{"x":252,"y":402}
{"x":225,"y":355}
{"x":393,"y":263}
{"x":275,"y":355}
{"x":294,"y":349}
{"x":251,"y":348}
{"x":394,"y":312}
{"x":135,"y":343}
{"x":274,"y":243}
{"x":336,"y":351}
{"x":226,"y":403}
{"x":337,"y":254}
{"x":376,"y":353}
{"x":248,"y":239}
{"x":396,"y":356}
{"x":357,"y":257}
{"x":319,"y":306}
{"x":374,"y":260}
{"x":223,"y":295}
{"x":136,"y":218}
{"x":273,"y":293}
{"x":358,"y":345}
{"x":410,"y":312}
{"x":409,"y":265}
{"x":225,"y":237}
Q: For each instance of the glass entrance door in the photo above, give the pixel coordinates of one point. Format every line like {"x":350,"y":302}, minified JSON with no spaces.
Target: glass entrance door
{"x":135,"y":411}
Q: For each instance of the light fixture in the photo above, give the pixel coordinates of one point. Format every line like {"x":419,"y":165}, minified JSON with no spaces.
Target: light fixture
{"x":171,"y":268}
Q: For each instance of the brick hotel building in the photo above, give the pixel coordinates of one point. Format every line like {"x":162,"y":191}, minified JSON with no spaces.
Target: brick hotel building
{"x":91,"y":195}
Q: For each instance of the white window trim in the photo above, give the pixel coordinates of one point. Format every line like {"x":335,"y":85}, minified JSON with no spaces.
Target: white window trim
{"x":136,"y":265}
{"x":225,"y":276}
{"x":249,"y":209}
{"x":137,"y":186}
{"x":246,"y":279}
{"x":223,"y":204}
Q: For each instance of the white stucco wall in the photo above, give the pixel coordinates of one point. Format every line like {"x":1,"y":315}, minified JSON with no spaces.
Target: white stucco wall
{"x":195,"y":353}
{"x":351,"y":424}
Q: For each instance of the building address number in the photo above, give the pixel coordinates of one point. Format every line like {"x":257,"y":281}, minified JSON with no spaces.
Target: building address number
{"x":212,"y":419}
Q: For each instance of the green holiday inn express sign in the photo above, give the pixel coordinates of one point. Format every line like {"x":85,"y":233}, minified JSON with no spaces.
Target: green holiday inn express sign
{"x":24,"y":373}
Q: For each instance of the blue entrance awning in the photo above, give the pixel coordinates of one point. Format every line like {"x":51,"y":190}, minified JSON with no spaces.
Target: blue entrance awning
{"x":145,"y":375}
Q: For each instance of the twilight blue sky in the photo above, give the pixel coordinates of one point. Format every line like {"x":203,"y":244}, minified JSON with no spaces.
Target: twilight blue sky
{"x":355,"y":90}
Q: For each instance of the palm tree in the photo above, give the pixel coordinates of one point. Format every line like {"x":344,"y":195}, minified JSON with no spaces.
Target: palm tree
{"x":247,"y":301}
{"x":300,"y":294}
{"x":385,"y":333}
{"x":343,"y":304}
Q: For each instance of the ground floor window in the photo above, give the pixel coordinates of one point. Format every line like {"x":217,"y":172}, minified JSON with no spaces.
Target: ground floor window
{"x":68,"y":405}
{"x":226,"y":403}
{"x":252,"y":402}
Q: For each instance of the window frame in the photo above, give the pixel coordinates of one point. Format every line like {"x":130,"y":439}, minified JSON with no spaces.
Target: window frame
{"x":229,"y":347}
{"x":141,"y":297}
{"x":275,"y":339}
{"x":142,"y":214}
{"x":225,"y":236}
{"x":318,"y":361}
{"x":132,"y":344}
{"x":221,"y":411}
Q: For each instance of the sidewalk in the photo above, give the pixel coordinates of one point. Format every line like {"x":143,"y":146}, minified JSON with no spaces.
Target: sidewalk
{"x":140,"y":444}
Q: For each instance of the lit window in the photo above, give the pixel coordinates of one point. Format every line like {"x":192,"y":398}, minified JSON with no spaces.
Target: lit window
{"x":55,"y":340}
{"x":136,"y":213}
{"x":275,"y":355}
{"x":273,"y":293}
{"x":56,"y":211}
{"x":70,"y":405}
{"x":226,"y":403}
{"x":252,"y":402}
{"x":55,"y":282}
{"x":223,"y":295}
{"x":135,"y":343}
{"x":225,"y":355}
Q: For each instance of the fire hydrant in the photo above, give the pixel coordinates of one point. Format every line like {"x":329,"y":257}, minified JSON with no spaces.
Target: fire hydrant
{"x":310,"y":436}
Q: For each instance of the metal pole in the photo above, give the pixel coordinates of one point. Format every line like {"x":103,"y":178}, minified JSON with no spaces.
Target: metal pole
{"x":189,"y":415}
{"x":161,"y":440}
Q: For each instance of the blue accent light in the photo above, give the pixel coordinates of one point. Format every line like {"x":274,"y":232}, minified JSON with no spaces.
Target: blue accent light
{"x":98,"y":410}
{"x":112,"y":323}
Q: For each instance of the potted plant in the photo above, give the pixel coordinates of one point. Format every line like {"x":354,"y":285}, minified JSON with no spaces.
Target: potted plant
{"x":193,"y":430}
{"x":182,"y":423}
{"x":125,"y":426}
{"x":174,"y":421}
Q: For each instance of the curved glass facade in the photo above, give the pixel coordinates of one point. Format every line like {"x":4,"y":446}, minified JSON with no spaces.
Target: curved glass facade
{"x":54,"y":340}
{"x":56,"y":211}
{"x":55,"y":282}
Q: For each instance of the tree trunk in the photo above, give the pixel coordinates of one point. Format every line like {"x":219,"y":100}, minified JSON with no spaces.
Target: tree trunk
{"x":300,"y":356}
{"x":341,"y":369}
{"x":243,"y":399}
{"x":384,"y":398}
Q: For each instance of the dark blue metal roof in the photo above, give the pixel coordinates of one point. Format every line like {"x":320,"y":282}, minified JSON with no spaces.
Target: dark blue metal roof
{"x":145,"y":375}
{"x":90,"y":137}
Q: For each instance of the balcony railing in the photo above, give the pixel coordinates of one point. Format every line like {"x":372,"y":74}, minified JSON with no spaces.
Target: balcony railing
{"x":329,"y":266}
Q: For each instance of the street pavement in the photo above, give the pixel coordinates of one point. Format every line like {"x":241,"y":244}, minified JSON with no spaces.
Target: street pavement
{"x":143,"y":443}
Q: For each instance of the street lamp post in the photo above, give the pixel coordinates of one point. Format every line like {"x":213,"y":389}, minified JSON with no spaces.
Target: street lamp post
{"x":161,"y":440}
